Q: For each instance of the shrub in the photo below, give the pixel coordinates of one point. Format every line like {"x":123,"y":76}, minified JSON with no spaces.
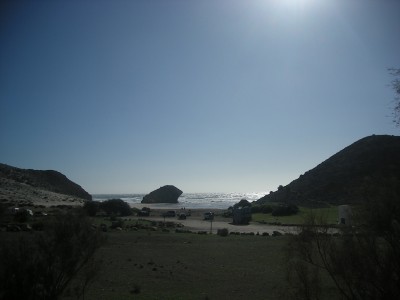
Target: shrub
{"x":116,"y":206}
{"x":223,"y":232}
{"x":362,"y":262}
{"x":21,"y":216}
{"x":135,"y":211}
{"x":91,"y":207}
{"x":3,"y":209}
{"x":42,"y":264}
{"x":38,"y":226}
{"x":117,"y":223}
{"x":242,"y":203}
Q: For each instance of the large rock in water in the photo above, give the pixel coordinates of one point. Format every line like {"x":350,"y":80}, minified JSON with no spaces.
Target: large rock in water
{"x":165,"y":194}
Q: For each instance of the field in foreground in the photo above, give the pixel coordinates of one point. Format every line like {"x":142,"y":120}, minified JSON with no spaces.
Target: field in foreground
{"x":156,"y":265}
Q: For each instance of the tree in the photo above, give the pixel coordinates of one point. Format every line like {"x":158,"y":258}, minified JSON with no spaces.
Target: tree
{"x":361,"y":262}
{"x":396,"y":86}
{"x":91,"y":207}
{"x":242,"y":203}
{"x":41,"y":265}
{"x":116,"y":207}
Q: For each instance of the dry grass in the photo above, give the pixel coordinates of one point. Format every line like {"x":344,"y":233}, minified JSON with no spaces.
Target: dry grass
{"x":156,"y":265}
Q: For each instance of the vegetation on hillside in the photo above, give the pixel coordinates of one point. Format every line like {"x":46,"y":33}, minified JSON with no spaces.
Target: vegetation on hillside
{"x":48,"y":180}
{"x":361,"y":170}
{"x":115,"y":207}
{"x":396,"y":87}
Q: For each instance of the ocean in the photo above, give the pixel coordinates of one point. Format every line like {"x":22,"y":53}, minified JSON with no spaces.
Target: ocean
{"x":186,"y":200}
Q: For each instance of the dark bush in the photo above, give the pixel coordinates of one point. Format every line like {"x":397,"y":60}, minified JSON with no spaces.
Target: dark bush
{"x":3,"y":209}
{"x":223,"y":232}
{"x":21,"y":216}
{"x":117,"y":223}
{"x":135,"y":211}
{"x":116,"y":206}
{"x":41,"y":265}
{"x":242,"y":203}
{"x":91,"y":207}
{"x":37,"y":226}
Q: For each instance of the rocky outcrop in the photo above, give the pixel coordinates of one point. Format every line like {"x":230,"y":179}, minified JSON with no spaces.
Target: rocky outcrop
{"x":49,"y":180}
{"x":165,"y":194}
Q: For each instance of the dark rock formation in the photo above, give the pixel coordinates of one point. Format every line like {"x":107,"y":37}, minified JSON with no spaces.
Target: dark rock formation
{"x":49,"y":180}
{"x":165,"y":194}
{"x":367,"y":169}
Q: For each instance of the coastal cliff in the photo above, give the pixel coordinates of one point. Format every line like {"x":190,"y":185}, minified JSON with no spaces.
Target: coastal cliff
{"x":34,"y":186}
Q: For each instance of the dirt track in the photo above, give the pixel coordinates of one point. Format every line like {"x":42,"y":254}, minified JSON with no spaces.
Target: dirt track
{"x":195,"y":222}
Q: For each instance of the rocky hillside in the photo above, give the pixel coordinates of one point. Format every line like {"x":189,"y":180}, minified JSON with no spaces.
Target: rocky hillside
{"x":367,"y":169}
{"x":12,"y":178}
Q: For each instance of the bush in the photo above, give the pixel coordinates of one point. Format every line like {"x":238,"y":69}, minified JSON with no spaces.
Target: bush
{"x":21,"y":216}
{"x":91,"y":207}
{"x":242,"y":203}
{"x":135,"y":211}
{"x":362,"y":262}
{"x":223,"y":232}
{"x":116,"y":206}
{"x":117,"y":223}
{"x":3,"y":209}
{"x":42,"y":264}
{"x":38,"y":226}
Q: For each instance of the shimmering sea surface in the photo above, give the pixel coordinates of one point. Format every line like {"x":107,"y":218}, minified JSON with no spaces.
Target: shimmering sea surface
{"x":187,"y":200}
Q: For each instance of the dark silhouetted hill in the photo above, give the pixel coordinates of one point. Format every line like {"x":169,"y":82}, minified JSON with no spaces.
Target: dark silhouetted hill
{"x":367,"y":169}
{"x":48,"y":180}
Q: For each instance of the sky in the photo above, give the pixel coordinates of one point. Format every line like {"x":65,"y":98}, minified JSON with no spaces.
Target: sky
{"x":210,"y":96}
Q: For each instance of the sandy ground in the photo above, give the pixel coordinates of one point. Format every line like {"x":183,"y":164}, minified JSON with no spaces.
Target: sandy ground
{"x":196,"y":222}
{"x":24,"y":195}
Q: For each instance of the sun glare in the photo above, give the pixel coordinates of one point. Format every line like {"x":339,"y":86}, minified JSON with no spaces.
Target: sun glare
{"x":295,"y":4}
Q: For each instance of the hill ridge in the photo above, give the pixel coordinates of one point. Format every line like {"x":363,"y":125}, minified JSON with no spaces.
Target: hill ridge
{"x":48,"y":180}
{"x":370,"y":167}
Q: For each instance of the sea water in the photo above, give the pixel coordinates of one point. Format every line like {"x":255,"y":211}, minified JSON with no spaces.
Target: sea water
{"x":186,"y":200}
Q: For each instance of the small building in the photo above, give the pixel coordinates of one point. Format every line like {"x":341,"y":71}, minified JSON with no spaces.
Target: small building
{"x":345,"y":215}
{"x":241,"y":215}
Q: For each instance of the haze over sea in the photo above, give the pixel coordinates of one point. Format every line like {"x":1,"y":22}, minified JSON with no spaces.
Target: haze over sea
{"x":186,"y":200}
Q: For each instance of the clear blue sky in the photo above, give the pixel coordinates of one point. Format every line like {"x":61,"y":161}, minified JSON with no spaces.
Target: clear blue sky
{"x":211,"y":96}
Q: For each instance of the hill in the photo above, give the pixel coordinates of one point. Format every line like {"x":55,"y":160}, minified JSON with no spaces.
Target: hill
{"x":367,"y":169}
{"x":33,"y":185}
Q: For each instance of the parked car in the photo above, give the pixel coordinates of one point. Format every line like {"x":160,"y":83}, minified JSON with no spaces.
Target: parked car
{"x":145,"y":212}
{"x":170,"y":213}
{"x":209,"y":216}
{"x":182,"y":216}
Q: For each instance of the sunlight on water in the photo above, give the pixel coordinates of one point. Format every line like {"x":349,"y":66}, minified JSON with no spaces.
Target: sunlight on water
{"x":187,"y":200}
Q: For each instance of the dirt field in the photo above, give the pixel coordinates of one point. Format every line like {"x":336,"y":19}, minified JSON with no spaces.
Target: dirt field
{"x":156,"y":265}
